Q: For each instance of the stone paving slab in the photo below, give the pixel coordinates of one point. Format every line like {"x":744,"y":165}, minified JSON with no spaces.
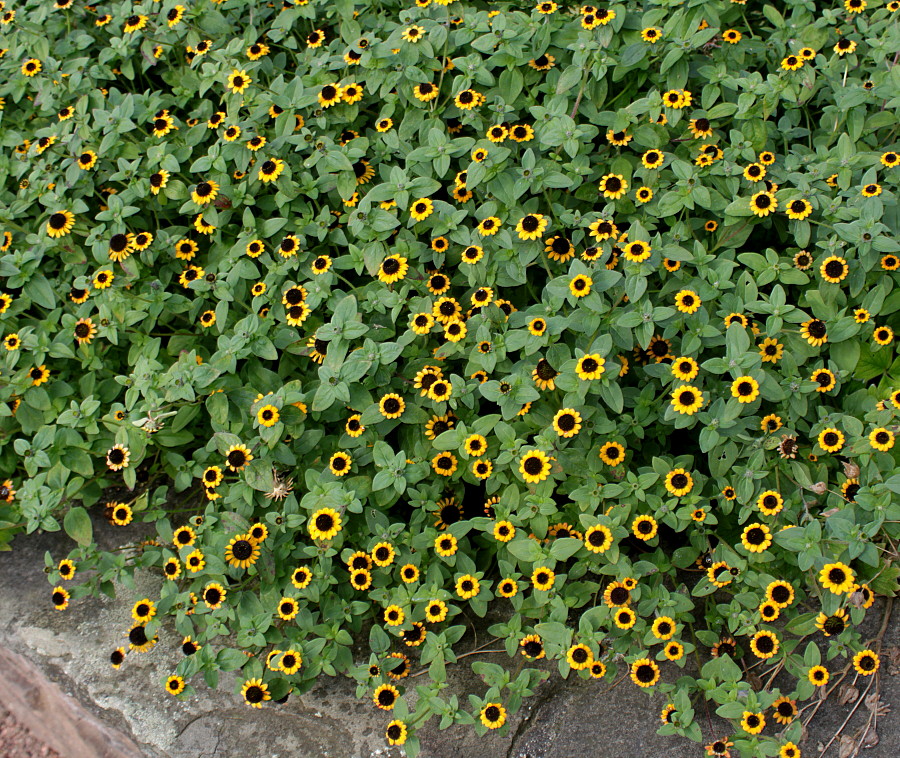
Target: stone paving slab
{"x":56,"y":664}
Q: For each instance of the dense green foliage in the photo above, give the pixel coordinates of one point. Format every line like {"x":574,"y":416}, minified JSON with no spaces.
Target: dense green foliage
{"x":384,"y":315}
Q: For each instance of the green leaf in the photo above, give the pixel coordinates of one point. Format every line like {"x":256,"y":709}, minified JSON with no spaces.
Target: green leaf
{"x":77,"y":525}
{"x":565,"y":547}
{"x":525,"y":549}
{"x":379,"y":642}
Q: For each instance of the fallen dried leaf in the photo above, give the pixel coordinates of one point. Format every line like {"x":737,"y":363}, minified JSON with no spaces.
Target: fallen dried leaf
{"x":847,"y":694}
{"x":851,"y":470}
{"x":870,"y":739}
{"x":848,"y":747}
{"x":754,"y":680}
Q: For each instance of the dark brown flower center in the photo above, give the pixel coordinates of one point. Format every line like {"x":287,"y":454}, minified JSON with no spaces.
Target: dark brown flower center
{"x":817,"y":328}
{"x":293,"y":295}
{"x":533,"y":465}
{"x":530,"y":223}
{"x":533,"y":648}
{"x":545,"y":371}
{"x":566,"y":422}
{"x":242,"y":550}
{"x":780,"y":594}
{"x":324,"y":522}
{"x":756,"y":536}
{"x":254,"y":694}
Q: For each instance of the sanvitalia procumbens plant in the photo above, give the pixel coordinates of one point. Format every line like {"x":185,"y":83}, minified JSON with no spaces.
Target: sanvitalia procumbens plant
{"x":384,"y":314}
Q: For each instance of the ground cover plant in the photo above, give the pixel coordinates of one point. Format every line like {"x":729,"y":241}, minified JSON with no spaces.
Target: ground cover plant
{"x":383,"y":316}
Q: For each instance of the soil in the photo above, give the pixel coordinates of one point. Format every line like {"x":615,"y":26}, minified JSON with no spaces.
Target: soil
{"x":18,"y":742}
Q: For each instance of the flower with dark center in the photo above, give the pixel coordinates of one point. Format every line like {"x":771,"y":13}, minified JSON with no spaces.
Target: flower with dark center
{"x":189,"y":647}
{"x":724,"y":646}
{"x":644,"y":672}
{"x":532,"y":647}
{"x":866,"y":662}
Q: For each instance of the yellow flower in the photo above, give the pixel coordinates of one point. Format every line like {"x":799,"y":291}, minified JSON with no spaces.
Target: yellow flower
{"x":532,"y":226}
{"x":268,"y":415}
{"x":467,"y":586}
{"x":614,"y":186}
{"x":580,"y":286}
{"x":324,"y":524}
{"x":270,"y":170}
{"x":838,"y":578}
{"x":543,"y":578}
{"x":687,"y":399}
{"x":238,"y":81}
{"x":493,"y":715}
{"x":590,"y":366}
{"x":421,"y":209}
{"x":763,"y":203}
{"x":745,"y":389}
{"x":644,"y":672}
{"x":60,"y":223}
{"x":535,"y":466}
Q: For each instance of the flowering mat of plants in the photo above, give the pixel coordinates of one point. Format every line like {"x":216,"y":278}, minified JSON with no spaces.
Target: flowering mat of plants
{"x":581,"y":315}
